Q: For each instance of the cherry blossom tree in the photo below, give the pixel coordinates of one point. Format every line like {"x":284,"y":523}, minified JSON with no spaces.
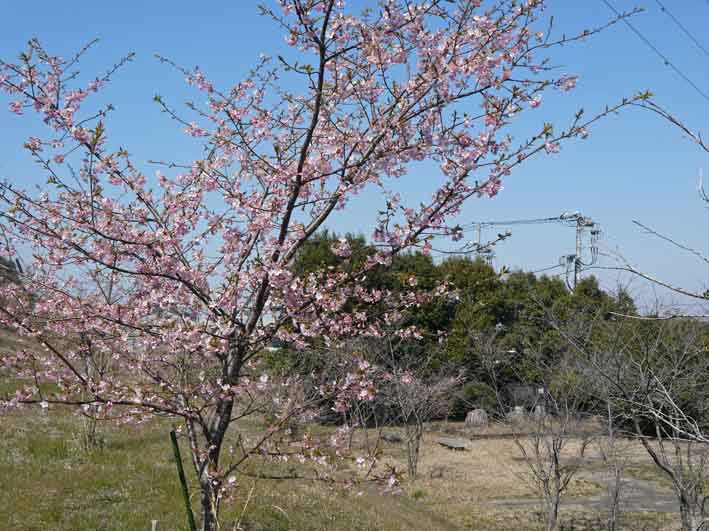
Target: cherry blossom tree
{"x":176,"y":284}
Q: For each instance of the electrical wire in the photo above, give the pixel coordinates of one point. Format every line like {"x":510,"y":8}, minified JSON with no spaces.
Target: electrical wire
{"x":657,"y":51}
{"x":682,"y":27}
{"x":556,"y":219}
{"x":547,"y":268}
{"x":565,"y":218}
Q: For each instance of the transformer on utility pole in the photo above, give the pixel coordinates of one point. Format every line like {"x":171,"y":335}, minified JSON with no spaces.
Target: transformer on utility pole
{"x":575,"y":260}
{"x":484,"y":252}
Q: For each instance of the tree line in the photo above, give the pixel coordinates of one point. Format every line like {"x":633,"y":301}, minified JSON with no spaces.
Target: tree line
{"x":499,"y":319}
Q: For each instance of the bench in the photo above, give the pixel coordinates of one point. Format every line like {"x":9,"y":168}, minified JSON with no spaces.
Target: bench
{"x":452,"y":444}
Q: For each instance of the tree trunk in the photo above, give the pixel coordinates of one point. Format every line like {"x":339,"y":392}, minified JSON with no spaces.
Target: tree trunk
{"x":208,"y":490}
{"x":553,"y":514}
{"x":411,"y":454}
{"x":690,"y":520}
{"x":614,"y":501}
{"x":413,"y":445}
{"x":209,"y":516}
{"x":614,"y":492}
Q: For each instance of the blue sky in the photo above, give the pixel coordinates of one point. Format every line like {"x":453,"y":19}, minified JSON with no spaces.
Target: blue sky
{"x":632,"y":166}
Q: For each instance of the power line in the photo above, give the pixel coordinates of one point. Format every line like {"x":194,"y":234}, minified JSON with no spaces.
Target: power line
{"x":546,"y":269}
{"x":682,"y":27}
{"x":570,"y":218}
{"x":657,"y":51}
{"x":574,"y":261}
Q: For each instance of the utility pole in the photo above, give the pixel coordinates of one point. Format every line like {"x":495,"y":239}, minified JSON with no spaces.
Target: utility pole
{"x":583,"y":223}
{"x":486,"y":254}
{"x":577,"y":255}
{"x":569,"y":261}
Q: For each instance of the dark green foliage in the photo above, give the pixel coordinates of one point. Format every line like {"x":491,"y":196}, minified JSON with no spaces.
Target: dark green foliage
{"x":316,"y":254}
{"x":473,"y":395}
{"x":9,"y":270}
{"x":498,"y":328}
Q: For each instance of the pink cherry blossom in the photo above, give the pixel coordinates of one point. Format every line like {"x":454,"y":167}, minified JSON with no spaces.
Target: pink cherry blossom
{"x":33,"y":144}
{"x":16,"y":107}
{"x":552,"y":147}
{"x":194,"y":130}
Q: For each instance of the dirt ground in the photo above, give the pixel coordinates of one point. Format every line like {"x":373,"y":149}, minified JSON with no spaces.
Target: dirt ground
{"x":491,"y":478}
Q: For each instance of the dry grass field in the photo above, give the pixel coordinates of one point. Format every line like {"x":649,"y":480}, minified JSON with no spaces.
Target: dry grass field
{"x":50,"y":483}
